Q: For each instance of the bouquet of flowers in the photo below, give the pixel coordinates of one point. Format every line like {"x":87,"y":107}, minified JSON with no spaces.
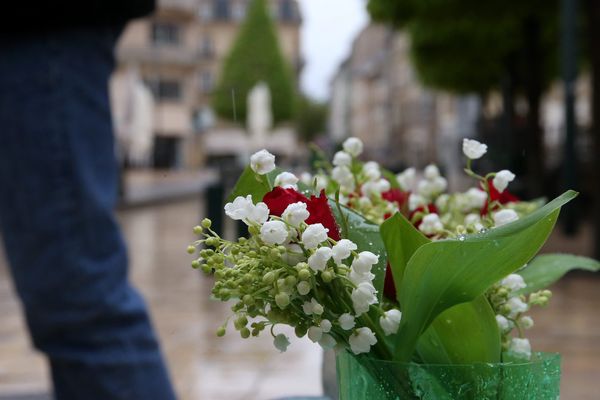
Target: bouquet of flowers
{"x":385,"y":267}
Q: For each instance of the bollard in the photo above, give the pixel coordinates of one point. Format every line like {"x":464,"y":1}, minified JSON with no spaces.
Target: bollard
{"x":215,"y":194}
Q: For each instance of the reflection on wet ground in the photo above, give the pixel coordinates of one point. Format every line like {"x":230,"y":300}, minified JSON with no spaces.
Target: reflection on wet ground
{"x":205,"y":367}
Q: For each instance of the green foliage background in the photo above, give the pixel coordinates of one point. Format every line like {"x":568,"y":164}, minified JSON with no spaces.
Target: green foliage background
{"x":254,"y":57}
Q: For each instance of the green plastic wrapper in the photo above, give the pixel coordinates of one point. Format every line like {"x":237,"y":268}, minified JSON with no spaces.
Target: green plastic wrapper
{"x":363,"y":378}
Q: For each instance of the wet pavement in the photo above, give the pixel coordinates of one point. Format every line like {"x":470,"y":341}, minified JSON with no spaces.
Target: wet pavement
{"x":204,"y":367}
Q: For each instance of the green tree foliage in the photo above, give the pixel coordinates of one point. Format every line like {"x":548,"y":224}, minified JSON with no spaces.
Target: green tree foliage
{"x":255,"y":56}
{"x":311,"y":118}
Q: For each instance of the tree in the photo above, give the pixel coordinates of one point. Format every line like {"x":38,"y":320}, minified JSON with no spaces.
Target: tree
{"x":255,"y":56}
{"x":466,"y":46}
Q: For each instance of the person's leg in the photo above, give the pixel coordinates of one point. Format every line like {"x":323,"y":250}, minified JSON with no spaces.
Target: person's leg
{"x":58,"y":183}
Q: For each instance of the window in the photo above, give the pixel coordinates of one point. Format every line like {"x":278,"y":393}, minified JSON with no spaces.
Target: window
{"x":286,"y":10}
{"x":206,"y":82}
{"x":165,"y":33}
{"x":206,"y":48}
{"x":238,"y":11}
{"x":165,"y":89}
{"x":221,"y":9}
{"x":205,"y":12}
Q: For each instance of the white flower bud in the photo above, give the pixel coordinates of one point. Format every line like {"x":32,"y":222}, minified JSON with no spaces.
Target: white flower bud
{"x":262,"y":162}
{"x":342,"y":175}
{"x":473,"y":149}
{"x":371,"y":170}
{"x":472,"y":219}
{"x":325,"y":325}
{"x":520,"y":348}
{"x":357,"y":277}
{"x":315,"y":333}
{"x":273,"y":232}
{"x":312,"y":307}
{"x":442,"y":201}
{"x":342,"y":250}
{"x":526,"y":322}
{"x":363,"y":263}
{"x":361,"y":340}
{"x":514,"y":282}
{"x":431,"y":172}
{"x":407,"y":179}
{"x":502,"y":179}
{"x":503,"y":324}
{"x":390,"y":321}
{"x":353,"y":145}
{"x":313,"y":235}
{"x":286,"y":180}
{"x":327,"y":341}
{"x":362,"y":297}
{"x":303,"y":288}
{"x":295,"y":213}
{"x":318,"y":260}
{"x":431,"y":224}
{"x":505,"y":216}
{"x":346,"y":321}
{"x":375,"y":188}
{"x":281,"y":342}
{"x":341,"y":158}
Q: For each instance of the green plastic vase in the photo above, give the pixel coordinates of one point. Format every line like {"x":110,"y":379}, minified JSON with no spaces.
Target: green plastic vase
{"x":363,"y":378}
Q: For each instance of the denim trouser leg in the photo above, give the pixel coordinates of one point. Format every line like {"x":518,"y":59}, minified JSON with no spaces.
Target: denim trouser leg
{"x":58,"y":182}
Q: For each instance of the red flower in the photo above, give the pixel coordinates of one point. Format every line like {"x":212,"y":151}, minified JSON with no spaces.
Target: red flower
{"x":502,"y":198}
{"x":389,"y":287}
{"x":396,"y":196}
{"x":279,"y":198}
{"x":430,"y":207}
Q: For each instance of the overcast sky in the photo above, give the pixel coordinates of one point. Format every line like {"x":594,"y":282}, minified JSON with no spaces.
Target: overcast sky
{"x":329,"y":26}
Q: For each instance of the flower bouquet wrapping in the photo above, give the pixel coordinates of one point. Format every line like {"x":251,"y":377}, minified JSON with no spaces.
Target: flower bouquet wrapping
{"x":422,"y":293}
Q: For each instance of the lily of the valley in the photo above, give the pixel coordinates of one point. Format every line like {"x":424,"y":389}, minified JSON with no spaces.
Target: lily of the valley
{"x":353,"y":146}
{"x":361,"y":340}
{"x":473,"y":149}
{"x":286,"y":180}
{"x":390,"y":321}
{"x":502,"y":179}
{"x":505,"y":216}
{"x":262,"y":162}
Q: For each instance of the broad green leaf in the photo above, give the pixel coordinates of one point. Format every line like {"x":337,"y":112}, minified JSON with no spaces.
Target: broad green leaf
{"x":464,"y":334}
{"x":252,"y":183}
{"x":546,"y":269}
{"x":445,"y":273}
{"x":367,"y":238}
{"x":401,"y":240}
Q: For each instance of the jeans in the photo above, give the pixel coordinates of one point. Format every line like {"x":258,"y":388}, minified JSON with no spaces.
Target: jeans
{"x":58,"y":188}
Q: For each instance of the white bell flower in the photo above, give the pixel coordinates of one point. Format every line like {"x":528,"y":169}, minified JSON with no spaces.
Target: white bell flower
{"x":312,"y":307}
{"x":286,"y":180}
{"x":258,"y":214}
{"x":374,"y":188}
{"x":473,"y":149}
{"x":431,"y":188}
{"x":353,"y":145}
{"x":363,"y":263}
{"x":318,"y":260}
{"x":520,"y":348}
{"x":313,"y":235}
{"x":505,"y":216}
{"x":407,"y":179}
{"x":362,"y":297}
{"x":371,"y":170}
{"x":431,"y":172}
{"x":516,"y":306}
{"x":442,"y":201}
{"x":346,"y":321}
{"x":327,"y":341}
{"x":361,"y":340}
{"x":295,"y":213}
{"x":240,"y":208}
{"x":357,"y":277}
{"x":342,"y":250}
{"x":476,"y":198}
{"x":281,"y":342}
{"x":262,"y":162}
{"x":502,"y":179}
{"x":315,"y":333}
{"x":341,"y":158}
{"x":390,"y":321}
{"x":273,"y":232}
{"x":472,"y":219}
{"x":306,"y":178}
{"x":514,"y":282}
{"x":431,"y":224}
{"x":325,"y":325}
{"x":415,"y":201}
{"x":503,"y":323}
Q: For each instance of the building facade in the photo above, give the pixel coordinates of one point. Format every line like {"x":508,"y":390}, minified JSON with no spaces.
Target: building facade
{"x":177,"y":54}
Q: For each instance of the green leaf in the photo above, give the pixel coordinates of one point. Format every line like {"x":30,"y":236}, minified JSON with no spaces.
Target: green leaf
{"x":401,"y":240}
{"x":464,"y":334}
{"x":252,"y":183}
{"x":391,"y":177}
{"x":367,"y":238}
{"x":546,"y":269}
{"x":445,"y":273}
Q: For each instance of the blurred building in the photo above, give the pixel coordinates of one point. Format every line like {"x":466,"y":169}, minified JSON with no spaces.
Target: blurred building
{"x":376,"y":96}
{"x":177,"y":54}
